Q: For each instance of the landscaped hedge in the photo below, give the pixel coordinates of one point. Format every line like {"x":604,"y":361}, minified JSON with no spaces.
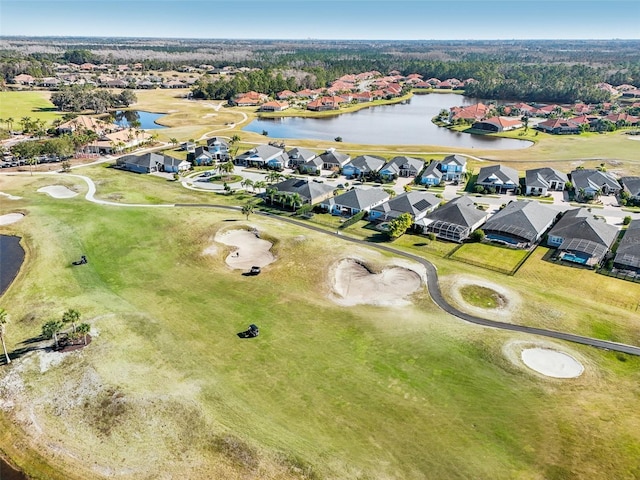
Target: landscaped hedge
{"x":356,"y":218}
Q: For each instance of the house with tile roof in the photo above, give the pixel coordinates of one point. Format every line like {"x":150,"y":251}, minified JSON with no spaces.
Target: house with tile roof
{"x":325,"y":103}
{"x":498,"y":124}
{"x":274,"y":106}
{"x":415,"y":203}
{"x":520,"y":224}
{"x":474,"y":112}
{"x":581,"y":238}
{"x":503,"y":179}
{"x":558,"y":126}
{"x":354,"y":201}
{"x":539,"y":181}
{"x":627,"y":256}
{"x":455,"y":220}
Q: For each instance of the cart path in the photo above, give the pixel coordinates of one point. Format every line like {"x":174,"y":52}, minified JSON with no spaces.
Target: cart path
{"x":433,"y":285}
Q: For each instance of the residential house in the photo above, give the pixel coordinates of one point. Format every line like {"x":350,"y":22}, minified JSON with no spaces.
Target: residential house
{"x":623,"y":119}
{"x":628,"y":252}
{"x":152,"y":162}
{"x":581,"y":238}
{"x":263,"y":156}
{"x":631,"y":185}
{"x":311,"y":192}
{"x":361,"y":97}
{"x":417,"y":204}
{"x":87,"y":123}
{"x":325,"y":103}
{"x":589,"y":183}
{"x":520,"y":224}
{"x":558,"y":126}
{"x":274,"y":106}
{"x":363,"y":165}
{"x":355,"y":200}
{"x":469,"y":113}
{"x":119,"y":140}
{"x":299,"y":156}
{"x":402,"y":167}
{"x":286,"y":95}
{"x":453,"y":168}
{"x":116,"y":83}
{"x":250,"y":99}
{"x":313,"y":166}
{"x":218,"y":148}
{"x":540,"y":180}
{"x":175,"y":165}
{"x":432,"y":175}
{"x":498,"y":124}
{"x":201,"y":156}
{"x":455,"y":220}
{"x":503,"y":179}
{"x":332,"y":159}
{"x":24,"y":79}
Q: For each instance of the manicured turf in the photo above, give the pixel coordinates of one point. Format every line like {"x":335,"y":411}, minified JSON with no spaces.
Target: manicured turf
{"x":481,"y":296}
{"x":168,"y":389}
{"x":35,"y":105}
{"x":491,"y":256}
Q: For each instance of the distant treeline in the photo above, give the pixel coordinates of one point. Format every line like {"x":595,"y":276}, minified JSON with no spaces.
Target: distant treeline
{"x":552,"y":71}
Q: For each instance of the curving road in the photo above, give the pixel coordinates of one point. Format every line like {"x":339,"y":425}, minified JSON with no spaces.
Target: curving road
{"x":432,"y":275}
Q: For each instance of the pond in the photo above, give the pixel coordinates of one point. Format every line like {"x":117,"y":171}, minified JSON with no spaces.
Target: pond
{"x":408,"y":123}
{"x":7,"y":472}
{"x":147,"y":120}
{"x":11,"y":258}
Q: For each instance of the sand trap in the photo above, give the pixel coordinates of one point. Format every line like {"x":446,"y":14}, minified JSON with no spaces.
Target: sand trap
{"x":58,"y":191}
{"x":250,"y":250}
{"x":552,"y":363}
{"x":354,"y":284}
{"x":505,"y":310}
{"x":208,"y":115}
{"x":10,"y":218}
{"x":9,"y":197}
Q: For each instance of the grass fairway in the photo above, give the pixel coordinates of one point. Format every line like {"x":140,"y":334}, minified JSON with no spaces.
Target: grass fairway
{"x":491,"y":256}
{"x":35,"y":104}
{"x":167,"y":389}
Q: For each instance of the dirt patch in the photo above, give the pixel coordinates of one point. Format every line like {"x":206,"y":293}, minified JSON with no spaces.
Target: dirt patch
{"x":10,"y":218}
{"x":354,"y":283}
{"x":248,"y":249}
{"x":505,"y":303}
{"x":58,"y":191}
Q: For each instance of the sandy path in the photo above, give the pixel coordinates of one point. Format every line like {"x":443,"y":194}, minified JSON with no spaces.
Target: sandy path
{"x":58,"y":191}
{"x":250,"y":250}
{"x":10,"y":218}
{"x":354,"y":284}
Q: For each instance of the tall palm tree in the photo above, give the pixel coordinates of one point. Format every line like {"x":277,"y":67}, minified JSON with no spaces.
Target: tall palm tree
{"x":4,"y":319}
{"x":234,"y":139}
{"x":259,"y":185}
{"x":83,"y":329}
{"x":71,"y":316}
{"x":247,"y":182}
{"x":273,"y":176}
{"x":248,"y":209}
{"x":295,"y":200}
{"x":271,"y":193}
{"x":51,"y":330}
{"x":226,"y":167}
{"x":174,"y":141}
{"x":10,"y":121}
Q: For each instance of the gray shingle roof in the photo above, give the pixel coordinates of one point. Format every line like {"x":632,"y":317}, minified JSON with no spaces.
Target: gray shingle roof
{"x":432,"y":170}
{"x":413,"y":203}
{"x":524,"y":219}
{"x":593,"y":179}
{"x":542,"y":177}
{"x":335,"y":158}
{"x":502,"y":173}
{"x":409,"y":163}
{"x":580,"y":224}
{"x":360,"y":198}
{"x":459,"y":211}
{"x":632,"y":185}
{"x":455,"y":159}
{"x":301,"y":154}
{"x":265,"y":152}
{"x":367,"y":163}
{"x":628,"y":253}
{"x":310,"y":191}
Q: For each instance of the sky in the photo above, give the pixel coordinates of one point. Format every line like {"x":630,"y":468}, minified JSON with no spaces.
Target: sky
{"x":328,"y":19}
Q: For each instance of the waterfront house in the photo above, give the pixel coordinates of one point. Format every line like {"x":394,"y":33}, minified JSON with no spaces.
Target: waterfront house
{"x":363,"y":165}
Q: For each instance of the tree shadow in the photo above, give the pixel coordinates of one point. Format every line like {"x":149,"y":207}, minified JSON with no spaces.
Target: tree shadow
{"x":29,"y":345}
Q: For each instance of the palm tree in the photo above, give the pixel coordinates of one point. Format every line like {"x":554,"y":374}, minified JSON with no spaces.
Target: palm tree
{"x":10,"y":121}
{"x":248,"y":209}
{"x":247,"y":182}
{"x":33,"y":161}
{"x":235,"y":139}
{"x":259,"y":184}
{"x":71,"y":316}
{"x":174,"y":141}
{"x":273,"y":176}
{"x":271,"y":193}
{"x":226,"y":167}
{"x":26,"y":123}
{"x":295,"y":199}
{"x":4,"y":319}
{"x":51,"y":330}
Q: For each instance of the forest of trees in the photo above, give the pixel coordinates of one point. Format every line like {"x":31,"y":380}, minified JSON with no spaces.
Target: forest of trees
{"x":80,"y":98}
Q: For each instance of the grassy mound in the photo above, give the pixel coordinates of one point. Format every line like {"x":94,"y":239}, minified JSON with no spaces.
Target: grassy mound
{"x":483,"y":297}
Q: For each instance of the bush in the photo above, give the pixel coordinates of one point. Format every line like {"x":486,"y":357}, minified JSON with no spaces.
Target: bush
{"x":478,"y":189}
{"x":355,"y":218}
{"x":338,"y":139}
{"x":626,"y":220}
{"x":431,"y":236}
{"x":477,"y":236}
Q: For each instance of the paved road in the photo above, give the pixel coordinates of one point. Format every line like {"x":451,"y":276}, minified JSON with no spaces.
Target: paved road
{"x":433,"y":287}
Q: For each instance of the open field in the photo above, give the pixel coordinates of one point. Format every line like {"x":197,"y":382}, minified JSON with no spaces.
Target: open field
{"x":34,"y":104}
{"x":324,"y":392}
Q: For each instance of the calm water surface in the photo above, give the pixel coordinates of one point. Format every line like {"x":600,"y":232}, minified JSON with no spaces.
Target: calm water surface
{"x":147,"y":119}
{"x":399,"y":124}
{"x":11,"y":258}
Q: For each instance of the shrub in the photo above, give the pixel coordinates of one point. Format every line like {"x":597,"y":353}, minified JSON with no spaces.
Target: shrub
{"x":477,"y":236}
{"x":431,"y":236}
{"x":478,"y":189}
{"x":355,"y":218}
{"x":626,"y":220}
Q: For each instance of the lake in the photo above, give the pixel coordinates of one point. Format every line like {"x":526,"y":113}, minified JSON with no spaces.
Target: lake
{"x":11,"y":258}
{"x":147,"y":120}
{"x":400,"y":124}
{"x":7,"y":472}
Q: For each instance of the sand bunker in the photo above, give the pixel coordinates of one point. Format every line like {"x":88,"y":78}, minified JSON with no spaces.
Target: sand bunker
{"x":9,"y":196}
{"x":250,"y":249}
{"x":552,"y":363}
{"x":508,"y":303}
{"x":58,"y":191}
{"x":354,"y":284}
{"x":10,"y":218}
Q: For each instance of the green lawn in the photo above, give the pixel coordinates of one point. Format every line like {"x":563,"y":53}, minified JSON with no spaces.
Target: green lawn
{"x":490,"y":256}
{"x":34,"y":104}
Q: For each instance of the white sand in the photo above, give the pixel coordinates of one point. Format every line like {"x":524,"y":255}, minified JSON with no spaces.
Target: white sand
{"x":9,"y":196}
{"x":10,"y":218}
{"x":249,"y":249}
{"x":552,"y":363}
{"x":354,"y":284}
{"x":58,"y":191}
{"x":502,"y":312}
{"x":209,"y":115}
